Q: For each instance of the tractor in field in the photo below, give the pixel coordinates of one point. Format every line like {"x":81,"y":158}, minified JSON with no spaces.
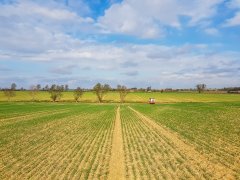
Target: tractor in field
{"x":151,"y":101}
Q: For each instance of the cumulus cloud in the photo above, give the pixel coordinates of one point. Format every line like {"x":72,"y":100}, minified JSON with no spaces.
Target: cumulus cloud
{"x":234,"y":4}
{"x":131,"y":73}
{"x":63,"y":70}
{"x":56,"y":38}
{"x":4,"y":69}
{"x":33,"y":27}
{"x":155,"y":63}
{"x":235,"y":20}
{"x":212,"y":31}
{"x":147,"y":19}
{"x":128,"y":64}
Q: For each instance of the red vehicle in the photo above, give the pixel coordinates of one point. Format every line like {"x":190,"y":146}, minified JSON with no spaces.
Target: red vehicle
{"x":151,"y":101}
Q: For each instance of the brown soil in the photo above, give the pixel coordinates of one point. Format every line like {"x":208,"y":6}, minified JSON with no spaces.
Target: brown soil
{"x":117,"y":155}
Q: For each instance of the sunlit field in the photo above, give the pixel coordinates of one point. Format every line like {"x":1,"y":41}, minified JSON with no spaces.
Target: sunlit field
{"x":141,"y":97}
{"x":119,"y":90}
{"x":161,"y":141}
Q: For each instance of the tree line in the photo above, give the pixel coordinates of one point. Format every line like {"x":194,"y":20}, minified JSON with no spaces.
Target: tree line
{"x":56,"y":91}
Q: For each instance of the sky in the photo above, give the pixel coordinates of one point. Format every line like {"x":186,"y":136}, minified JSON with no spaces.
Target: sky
{"x":137,"y":43}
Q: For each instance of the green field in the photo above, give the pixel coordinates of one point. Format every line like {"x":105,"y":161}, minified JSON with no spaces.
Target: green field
{"x":47,"y":141}
{"x":162,"y":141}
{"x":166,"y":97}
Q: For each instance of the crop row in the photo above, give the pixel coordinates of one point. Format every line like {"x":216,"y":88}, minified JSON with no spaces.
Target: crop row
{"x":151,"y":155}
{"x":213,"y":130}
{"x":74,"y":145}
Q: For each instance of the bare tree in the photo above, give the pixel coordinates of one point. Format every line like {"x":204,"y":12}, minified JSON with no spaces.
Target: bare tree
{"x":101,"y":90}
{"x":13,"y":86}
{"x":201,"y":87}
{"x":66,"y":87}
{"x":33,"y":92}
{"x":46,"y":88}
{"x":77,"y":93}
{"x":55,"y":92}
{"x":38,"y":87}
{"x":9,"y":93}
{"x":123,"y":91}
{"x":149,"y":89}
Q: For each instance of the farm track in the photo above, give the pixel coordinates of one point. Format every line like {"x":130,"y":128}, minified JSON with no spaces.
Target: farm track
{"x":192,"y":157}
{"x":72,"y":148}
{"x":117,"y":155}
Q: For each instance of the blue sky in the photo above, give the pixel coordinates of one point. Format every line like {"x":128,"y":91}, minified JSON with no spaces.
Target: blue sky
{"x":138,"y":43}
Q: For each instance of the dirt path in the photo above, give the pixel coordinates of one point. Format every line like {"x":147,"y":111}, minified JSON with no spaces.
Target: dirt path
{"x":194,"y":157}
{"x":117,"y":170}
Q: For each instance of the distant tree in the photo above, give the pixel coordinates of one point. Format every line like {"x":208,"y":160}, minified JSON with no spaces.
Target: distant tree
{"x":123,"y":91}
{"x":66,"y":87}
{"x":134,"y":89}
{"x":9,"y":93}
{"x":38,"y":87}
{"x":46,"y":88}
{"x":13,"y":86}
{"x":101,"y":90}
{"x":201,"y":87}
{"x":54,"y":86}
{"x":33,"y":92}
{"x":141,"y":89}
{"x":149,"y":89}
{"x":61,"y":87}
{"x":77,"y":93}
{"x":55,"y":92}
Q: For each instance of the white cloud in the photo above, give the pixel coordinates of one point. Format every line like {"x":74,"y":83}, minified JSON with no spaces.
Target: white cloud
{"x":33,"y":27}
{"x":152,"y":64}
{"x":147,"y":19}
{"x":234,"y":21}
{"x":63,"y":70}
{"x":26,"y":9}
{"x":212,"y":31}
{"x":127,"y":20}
{"x":50,"y":38}
{"x":78,"y":6}
{"x":234,"y":4}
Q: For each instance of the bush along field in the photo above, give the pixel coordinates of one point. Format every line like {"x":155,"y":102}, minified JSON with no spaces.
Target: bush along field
{"x":120,"y":141}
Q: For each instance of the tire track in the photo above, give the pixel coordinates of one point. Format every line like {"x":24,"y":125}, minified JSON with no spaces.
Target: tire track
{"x":117,"y":169}
{"x":218,"y":171}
